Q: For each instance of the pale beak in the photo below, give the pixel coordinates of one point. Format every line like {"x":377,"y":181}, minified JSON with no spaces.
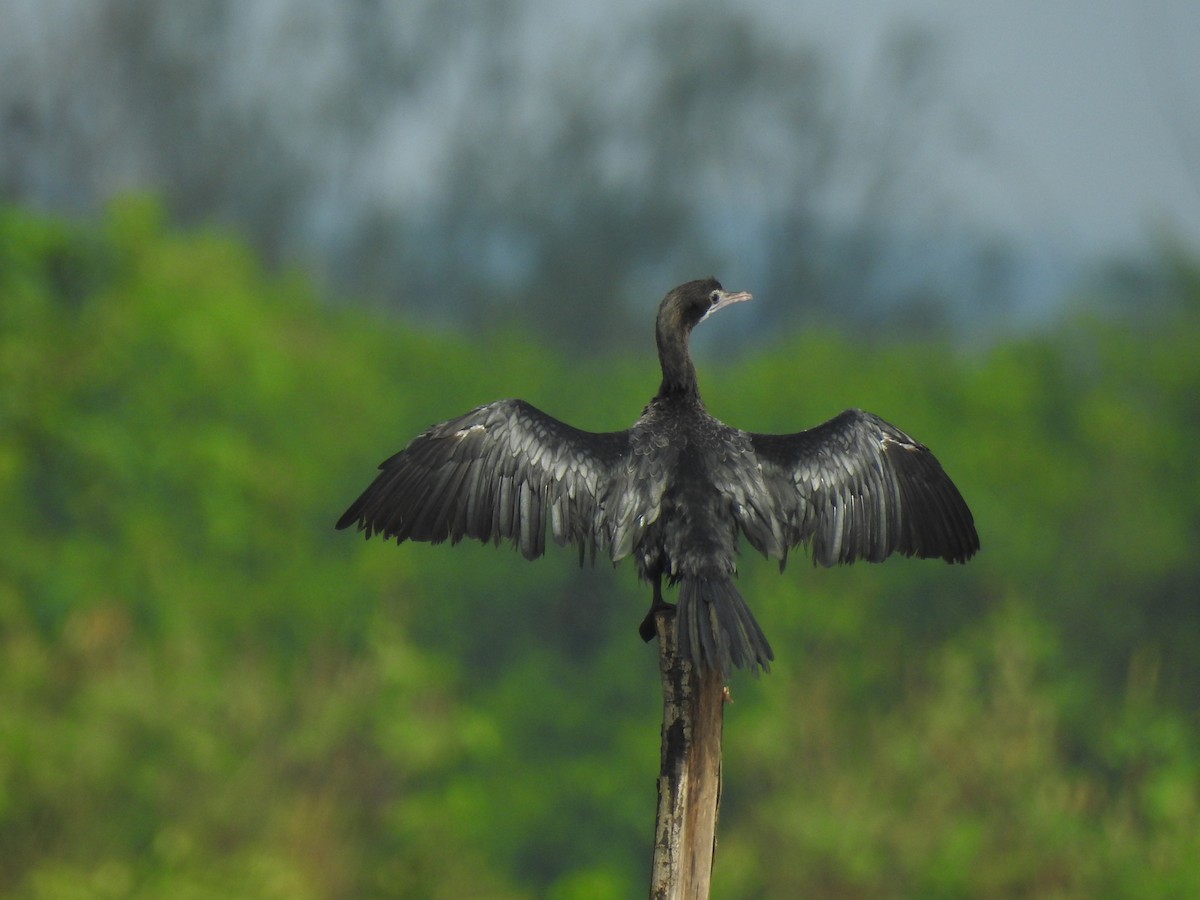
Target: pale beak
{"x":727,"y":298}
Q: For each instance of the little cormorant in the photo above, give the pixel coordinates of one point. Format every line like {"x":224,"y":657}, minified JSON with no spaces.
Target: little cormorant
{"x":675,"y":490}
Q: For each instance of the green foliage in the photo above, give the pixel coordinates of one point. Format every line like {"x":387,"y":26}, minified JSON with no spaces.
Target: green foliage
{"x":207,"y":691}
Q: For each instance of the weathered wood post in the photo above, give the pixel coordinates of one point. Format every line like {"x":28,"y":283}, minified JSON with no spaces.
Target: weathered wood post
{"x":689,"y":778}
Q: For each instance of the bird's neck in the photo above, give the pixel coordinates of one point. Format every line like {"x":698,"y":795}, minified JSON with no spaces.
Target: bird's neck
{"x":678,"y":373}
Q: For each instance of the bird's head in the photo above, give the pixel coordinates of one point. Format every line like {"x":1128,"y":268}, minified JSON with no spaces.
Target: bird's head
{"x":688,"y":305}
{"x":683,"y":309}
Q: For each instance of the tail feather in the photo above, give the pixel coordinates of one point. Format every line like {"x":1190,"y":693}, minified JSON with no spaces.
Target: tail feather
{"x":716,"y":628}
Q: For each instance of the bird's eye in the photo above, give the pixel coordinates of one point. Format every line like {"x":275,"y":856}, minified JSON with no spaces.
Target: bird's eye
{"x":713,"y":298}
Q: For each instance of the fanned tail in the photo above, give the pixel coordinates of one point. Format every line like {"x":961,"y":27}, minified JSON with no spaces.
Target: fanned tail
{"x":716,"y":628}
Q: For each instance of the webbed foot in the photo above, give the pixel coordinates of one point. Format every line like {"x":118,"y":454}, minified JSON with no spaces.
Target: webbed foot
{"x":648,"y":630}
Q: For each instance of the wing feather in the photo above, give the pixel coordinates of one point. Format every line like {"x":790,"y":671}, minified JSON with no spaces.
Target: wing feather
{"x":857,"y":487}
{"x":504,"y":471}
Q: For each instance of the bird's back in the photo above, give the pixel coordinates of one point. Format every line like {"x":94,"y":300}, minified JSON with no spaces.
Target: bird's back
{"x":691,"y":461}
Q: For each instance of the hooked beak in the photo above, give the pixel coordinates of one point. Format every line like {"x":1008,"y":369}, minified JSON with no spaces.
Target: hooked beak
{"x":727,"y":298}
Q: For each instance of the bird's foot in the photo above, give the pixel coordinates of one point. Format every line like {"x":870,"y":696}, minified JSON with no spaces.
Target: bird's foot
{"x":648,"y":630}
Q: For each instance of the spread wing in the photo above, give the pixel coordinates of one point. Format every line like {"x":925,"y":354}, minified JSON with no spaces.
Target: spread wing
{"x":859,"y":488}
{"x":504,"y":470}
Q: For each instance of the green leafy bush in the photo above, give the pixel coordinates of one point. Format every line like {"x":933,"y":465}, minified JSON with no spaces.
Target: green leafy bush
{"x":205,"y":690}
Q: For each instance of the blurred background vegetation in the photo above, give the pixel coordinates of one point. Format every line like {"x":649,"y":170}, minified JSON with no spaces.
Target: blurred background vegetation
{"x":206,"y":691}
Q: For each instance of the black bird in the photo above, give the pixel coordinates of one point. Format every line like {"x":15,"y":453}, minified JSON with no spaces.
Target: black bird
{"x":675,"y":490}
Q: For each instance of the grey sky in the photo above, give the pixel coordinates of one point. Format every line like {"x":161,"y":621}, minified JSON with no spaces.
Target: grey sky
{"x":1091,"y":108}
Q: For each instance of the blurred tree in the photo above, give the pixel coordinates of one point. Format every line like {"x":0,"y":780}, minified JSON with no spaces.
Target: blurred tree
{"x":556,"y":165}
{"x":206,"y":690}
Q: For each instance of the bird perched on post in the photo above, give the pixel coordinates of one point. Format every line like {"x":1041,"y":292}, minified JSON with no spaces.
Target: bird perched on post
{"x":675,"y":491}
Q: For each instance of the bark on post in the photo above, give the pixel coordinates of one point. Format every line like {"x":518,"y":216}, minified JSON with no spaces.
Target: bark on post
{"x":689,"y":779}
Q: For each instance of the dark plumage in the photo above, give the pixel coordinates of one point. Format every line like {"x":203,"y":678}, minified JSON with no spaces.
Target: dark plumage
{"x":675,"y":491}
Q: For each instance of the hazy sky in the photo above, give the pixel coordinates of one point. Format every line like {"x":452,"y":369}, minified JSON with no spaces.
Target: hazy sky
{"x":1069,"y":129}
{"x":1090,"y":109}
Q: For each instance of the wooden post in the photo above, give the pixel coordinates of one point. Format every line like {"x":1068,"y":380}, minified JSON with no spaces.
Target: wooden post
{"x":689,"y":778}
